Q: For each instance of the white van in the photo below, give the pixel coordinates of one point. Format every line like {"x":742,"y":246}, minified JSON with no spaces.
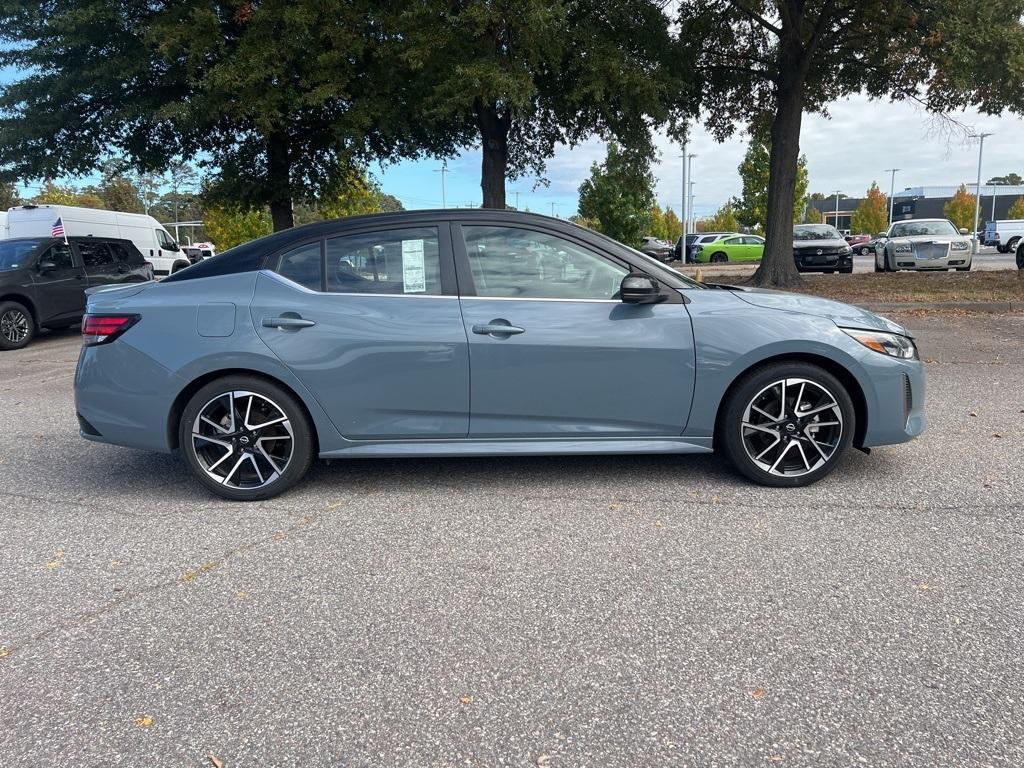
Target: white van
{"x":1004,"y":234}
{"x":149,"y":236}
{"x":3,"y":224}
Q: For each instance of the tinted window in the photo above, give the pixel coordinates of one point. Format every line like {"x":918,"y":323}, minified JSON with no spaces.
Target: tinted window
{"x":122,"y":252}
{"x":59,"y":255}
{"x":397,"y":261}
{"x":163,"y":239}
{"x":521,"y":263}
{"x":303,"y":265}
{"x":913,"y":228}
{"x":752,"y":240}
{"x":734,"y":241}
{"x":95,"y":254}
{"x":14,"y":254}
{"x":816,"y":232}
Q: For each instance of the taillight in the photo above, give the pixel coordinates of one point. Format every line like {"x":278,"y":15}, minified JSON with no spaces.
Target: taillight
{"x":102,"y":329}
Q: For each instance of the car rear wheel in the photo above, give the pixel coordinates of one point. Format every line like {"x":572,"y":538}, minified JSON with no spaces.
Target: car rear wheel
{"x":17,"y":326}
{"x":246,"y":438}
{"x":787,"y":424}
{"x":718,"y":258}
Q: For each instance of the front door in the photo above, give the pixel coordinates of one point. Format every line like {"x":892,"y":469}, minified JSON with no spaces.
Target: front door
{"x":575,"y":361}
{"x":60,"y":288}
{"x":370,"y":324}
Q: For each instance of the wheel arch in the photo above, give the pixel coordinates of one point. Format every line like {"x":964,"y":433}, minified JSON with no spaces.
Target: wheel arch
{"x":182,"y":398}
{"x":845,"y":376}
{"x":23,"y":300}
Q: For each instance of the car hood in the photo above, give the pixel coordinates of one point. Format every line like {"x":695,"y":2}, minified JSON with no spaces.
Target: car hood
{"x":845,"y":315}
{"x":930,"y":238}
{"x":825,"y":243}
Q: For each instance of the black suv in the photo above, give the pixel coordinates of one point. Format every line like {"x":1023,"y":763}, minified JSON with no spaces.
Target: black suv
{"x":43,"y":280}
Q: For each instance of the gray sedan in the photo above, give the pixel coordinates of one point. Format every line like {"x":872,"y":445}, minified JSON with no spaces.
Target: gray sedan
{"x":922,"y":244}
{"x":480,"y":333}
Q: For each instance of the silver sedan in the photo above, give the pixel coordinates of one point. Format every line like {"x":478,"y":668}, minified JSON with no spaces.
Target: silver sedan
{"x":922,"y":244}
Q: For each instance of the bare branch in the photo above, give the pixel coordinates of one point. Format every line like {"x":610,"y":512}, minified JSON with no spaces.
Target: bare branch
{"x":756,"y":18}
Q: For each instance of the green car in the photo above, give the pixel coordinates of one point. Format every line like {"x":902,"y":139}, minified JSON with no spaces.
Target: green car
{"x":733,"y":248}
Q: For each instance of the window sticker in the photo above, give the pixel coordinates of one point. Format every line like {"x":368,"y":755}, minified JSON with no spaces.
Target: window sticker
{"x":414,"y":279}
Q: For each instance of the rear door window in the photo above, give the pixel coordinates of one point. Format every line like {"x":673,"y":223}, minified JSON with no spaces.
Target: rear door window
{"x":302,"y":265}
{"x":95,"y":254}
{"x":402,"y":262}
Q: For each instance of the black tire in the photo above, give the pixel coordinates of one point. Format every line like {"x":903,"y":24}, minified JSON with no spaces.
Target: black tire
{"x":964,"y":269}
{"x":17,"y":326}
{"x":886,"y":267}
{"x":718,"y":258}
{"x":1002,"y":249}
{"x":1020,"y":256}
{"x":179,"y":265}
{"x":827,"y":271}
{"x":865,"y":251}
{"x":729,"y":438}
{"x":302,"y":438}
{"x":1012,"y":245}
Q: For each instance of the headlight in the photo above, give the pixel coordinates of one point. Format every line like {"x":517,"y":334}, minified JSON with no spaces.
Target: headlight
{"x":959,"y":246}
{"x":903,"y":248}
{"x":891,"y":344}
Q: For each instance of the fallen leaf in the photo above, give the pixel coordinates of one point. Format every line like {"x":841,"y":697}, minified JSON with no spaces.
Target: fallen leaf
{"x":466,"y":699}
{"x":241,"y":595}
{"x":195,"y":574}
{"x":115,"y":563}
{"x":996,"y":434}
{"x":53,"y":564}
{"x":659,"y":524}
{"x":280,"y":535}
{"x":216,"y":761}
{"x":543,"y":761}
{"x":144,"y":722}
{"x":973,"y":413}
{"x":615,"y":505}
{"x":776,"y":758}
{"x":715,"y":500}
{"x":4,"y":653}
{"x":758,"y":693}
{"x":924,"y":586}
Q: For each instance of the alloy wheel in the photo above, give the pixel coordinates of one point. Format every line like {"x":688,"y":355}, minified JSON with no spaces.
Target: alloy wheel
{"x":14,"y":326}
{"x":243,"y":440}
{"x":792,"y":427}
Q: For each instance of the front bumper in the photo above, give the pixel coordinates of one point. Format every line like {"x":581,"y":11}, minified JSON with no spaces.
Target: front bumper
{"x":912,"y":261}
{"x":898,"y":389}
{"x":814,"y":262}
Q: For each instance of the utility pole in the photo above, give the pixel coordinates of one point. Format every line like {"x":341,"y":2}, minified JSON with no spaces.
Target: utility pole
{"x":517,"y":199}
{"x":892,"y":185}
{"x":443,"y":170}
{"x":693,"y":219}
{"x":552,"y":208}
{"x":682,"y":210}
{"x":977,"y":198}
{"x":837,"y":192}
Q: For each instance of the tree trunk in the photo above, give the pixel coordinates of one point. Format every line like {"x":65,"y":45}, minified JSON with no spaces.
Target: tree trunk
{"x":279,"y":183}
{"x":494,"y":128}
{"x":778,"y":269}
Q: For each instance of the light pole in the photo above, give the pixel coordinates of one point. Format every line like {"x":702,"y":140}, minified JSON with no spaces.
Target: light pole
{"x":892,"y":185}
{"x":552,"y":209}
{"x":689,"y":176}
{"x":682,"y":210}
{"x":977,"y":198}
{"x":443,"y":170}
{"x":837,"y":193}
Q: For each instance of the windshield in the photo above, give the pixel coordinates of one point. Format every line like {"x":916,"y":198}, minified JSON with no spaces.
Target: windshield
{"x":14,"y":254}
{"x":911,"y":228}
{"x":816,"y":232}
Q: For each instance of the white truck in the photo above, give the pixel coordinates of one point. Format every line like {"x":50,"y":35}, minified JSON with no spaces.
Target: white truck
{"x":149,"y":236}
{"x":1004,"y":234}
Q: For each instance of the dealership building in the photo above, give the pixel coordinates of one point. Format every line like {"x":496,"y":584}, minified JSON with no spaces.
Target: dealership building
{"x":924,"y":203}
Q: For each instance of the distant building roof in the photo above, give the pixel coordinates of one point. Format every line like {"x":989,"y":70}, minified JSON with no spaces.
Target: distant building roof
{"x":948,"y":191}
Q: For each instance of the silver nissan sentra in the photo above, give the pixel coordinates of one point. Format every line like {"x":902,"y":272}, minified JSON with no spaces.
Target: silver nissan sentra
{"x":457,"y":332}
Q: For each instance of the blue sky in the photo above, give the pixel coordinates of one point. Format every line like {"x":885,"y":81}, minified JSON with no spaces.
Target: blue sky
{"x":846,"y":150}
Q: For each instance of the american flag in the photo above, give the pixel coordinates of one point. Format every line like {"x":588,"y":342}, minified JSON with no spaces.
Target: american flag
{"x":58,"y":228}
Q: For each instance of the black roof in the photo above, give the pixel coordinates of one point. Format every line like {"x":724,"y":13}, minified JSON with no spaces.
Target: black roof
{"x":252,"y":256}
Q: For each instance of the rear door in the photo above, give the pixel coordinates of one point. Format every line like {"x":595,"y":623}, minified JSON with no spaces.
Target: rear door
{"x":370,"y":323}
{"x":575,"y":361}
{"x":101,"y":266}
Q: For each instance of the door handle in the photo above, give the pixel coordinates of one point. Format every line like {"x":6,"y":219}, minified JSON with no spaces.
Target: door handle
{"x":287,"y":322}
{"x":500,"y":329}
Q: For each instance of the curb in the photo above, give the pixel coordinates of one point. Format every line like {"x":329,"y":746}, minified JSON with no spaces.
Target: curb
{"x":991,"y":307}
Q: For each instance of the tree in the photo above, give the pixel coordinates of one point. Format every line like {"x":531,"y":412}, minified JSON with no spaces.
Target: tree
{"x":724,"y":220}
{"x":390,"y":203}
{"x":673,"y":226}
{"x":518,"y":77}
{"x":228,"y":227}
{"x":276,"y":96}
{"x":1009,"y":180}
{"x":618,"y":197}
{"x":1017,"y":209}
{"x":752,"y":207}
{"x":960,"y":210}
{"x":55,"y":194}
{"x":767,"y":62}
{"x":117,"y":190}
{"x":872,"y":215}
{"x":9,"y":196}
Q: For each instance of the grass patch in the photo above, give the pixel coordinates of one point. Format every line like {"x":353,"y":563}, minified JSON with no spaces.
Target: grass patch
{"x":908,"y":287}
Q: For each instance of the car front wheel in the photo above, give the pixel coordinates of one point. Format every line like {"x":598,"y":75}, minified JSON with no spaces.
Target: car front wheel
{"x":246,"y":438}
{"x":17,"y":326}
{"x":787,"y":424}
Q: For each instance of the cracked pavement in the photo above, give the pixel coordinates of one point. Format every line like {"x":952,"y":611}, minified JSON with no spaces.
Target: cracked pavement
{"x":638,"y":610}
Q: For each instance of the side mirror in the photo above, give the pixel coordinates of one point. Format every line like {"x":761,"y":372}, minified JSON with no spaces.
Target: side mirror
{"x":880,"y":236}
{"x":46,"y":266}
{"x":638,"y":288}
{"x":963,"y":231}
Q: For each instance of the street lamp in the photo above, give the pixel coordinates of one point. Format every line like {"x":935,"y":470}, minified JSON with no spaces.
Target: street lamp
{"x":977,"y":197}
{"x":837,"y":193}
{"x":892,"y":185}
{"x":443,"y":170}
{"x":689,"y":174}
{"x":682,"y":210}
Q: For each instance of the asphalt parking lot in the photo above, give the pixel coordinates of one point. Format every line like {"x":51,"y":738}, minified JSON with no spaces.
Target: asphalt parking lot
{"x":531,"y":612}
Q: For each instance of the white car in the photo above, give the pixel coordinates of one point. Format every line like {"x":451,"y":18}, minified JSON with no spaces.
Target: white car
{"x":922,"y":244}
